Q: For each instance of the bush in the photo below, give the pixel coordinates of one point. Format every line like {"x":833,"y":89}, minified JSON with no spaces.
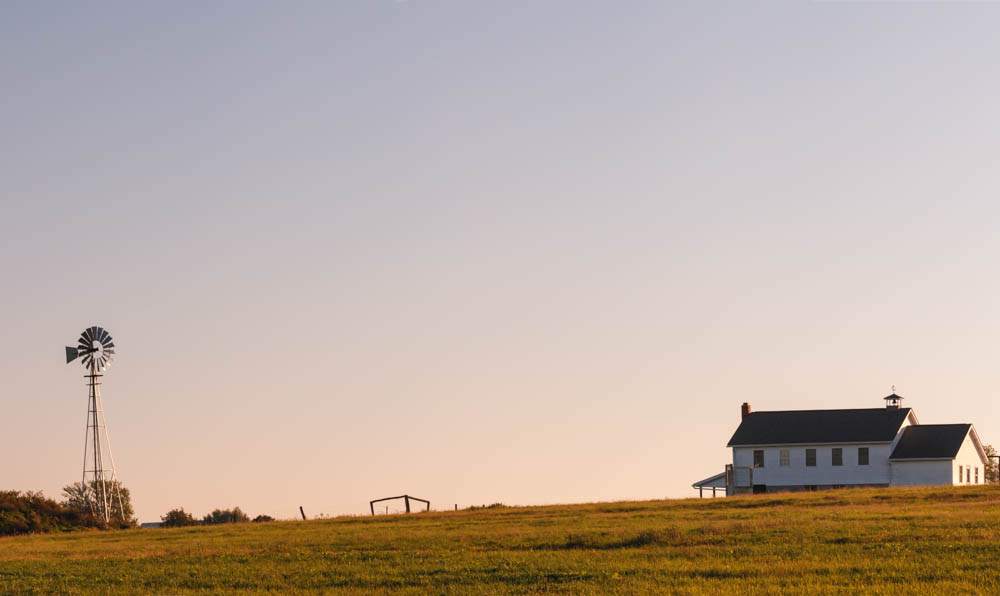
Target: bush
{"x":492,"y":506}
{"x":30,"y":512}
{"x":226,"y":516}
{"x":990,"y":475}
{"x":263,"y":518}
{"x":176,"y":518}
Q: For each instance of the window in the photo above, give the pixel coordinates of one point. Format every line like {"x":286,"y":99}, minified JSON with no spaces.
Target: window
{"x":838,"y":456}
{"x":977,"y":475}
{"x":960,"y":474}
{"x":783,"y":458}
{"x":811,"y":457}
{"x":968,"y":475}
{"x":862,"y":456}
{"x":758,"y":458}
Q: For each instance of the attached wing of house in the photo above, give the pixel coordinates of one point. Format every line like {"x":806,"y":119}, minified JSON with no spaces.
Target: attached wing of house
{"x":938,"y":454}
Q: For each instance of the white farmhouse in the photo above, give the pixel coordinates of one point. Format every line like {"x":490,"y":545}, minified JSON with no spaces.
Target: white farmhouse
{"x":800,"y":450}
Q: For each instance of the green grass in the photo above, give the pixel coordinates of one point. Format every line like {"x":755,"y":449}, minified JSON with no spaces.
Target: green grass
{"x":886,"y":541}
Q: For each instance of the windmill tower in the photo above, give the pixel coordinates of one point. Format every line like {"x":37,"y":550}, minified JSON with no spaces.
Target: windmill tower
{"x":100,"y":483}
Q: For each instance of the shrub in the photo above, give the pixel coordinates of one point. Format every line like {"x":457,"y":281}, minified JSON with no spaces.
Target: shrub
{"x":990,"y":475}
{"x":30,"y":512}
{"x":226,"y":516}
{"x":176,"y":518}
{"x":263,"y":518}
{"x":492,"y":506}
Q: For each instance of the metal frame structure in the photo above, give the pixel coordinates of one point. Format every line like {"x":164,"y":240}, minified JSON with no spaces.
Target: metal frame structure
{"x":406,"y":499}
{"x":96,"y":349}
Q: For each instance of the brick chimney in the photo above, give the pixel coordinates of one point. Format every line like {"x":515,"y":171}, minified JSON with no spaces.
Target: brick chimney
{"x":744,"y":410}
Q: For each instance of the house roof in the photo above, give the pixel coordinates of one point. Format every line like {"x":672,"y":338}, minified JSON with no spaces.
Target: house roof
{"x":719,"y":480}
{"x":931,"y":441}
{"x":803,"y":427}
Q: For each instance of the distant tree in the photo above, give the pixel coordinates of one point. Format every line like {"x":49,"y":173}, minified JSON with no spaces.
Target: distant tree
{"x":176,"y":518}
{"x":990,"y":473}
{"x":80,"y":498}
{"x":263,"y":518}
{"x":226,"y":516}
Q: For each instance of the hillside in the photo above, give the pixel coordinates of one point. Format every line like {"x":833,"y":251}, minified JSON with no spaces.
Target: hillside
{"x":922,"y":540}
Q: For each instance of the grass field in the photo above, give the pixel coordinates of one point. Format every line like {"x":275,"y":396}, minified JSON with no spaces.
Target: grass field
{"x":888,"y":541}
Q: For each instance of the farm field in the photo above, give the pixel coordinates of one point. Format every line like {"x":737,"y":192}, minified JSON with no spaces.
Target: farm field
{"x":920,"y":540}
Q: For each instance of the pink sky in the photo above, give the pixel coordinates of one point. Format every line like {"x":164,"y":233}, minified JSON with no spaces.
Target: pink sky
{"x":491,"y":252}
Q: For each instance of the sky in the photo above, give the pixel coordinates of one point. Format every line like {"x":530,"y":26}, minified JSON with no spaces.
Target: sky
{"x":478,"y":252}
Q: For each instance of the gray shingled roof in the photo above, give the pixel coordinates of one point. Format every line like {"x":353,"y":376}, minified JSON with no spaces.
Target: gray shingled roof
{"x":797,"y":427}
{"x":930,"y":441}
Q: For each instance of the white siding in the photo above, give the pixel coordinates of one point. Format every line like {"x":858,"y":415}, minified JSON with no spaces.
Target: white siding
{"x":968,"y":455}
{"x":824,"y":473}
{"x":923,"y":472}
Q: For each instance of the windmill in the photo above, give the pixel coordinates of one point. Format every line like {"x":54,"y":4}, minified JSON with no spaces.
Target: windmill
{"x":95,"y":349}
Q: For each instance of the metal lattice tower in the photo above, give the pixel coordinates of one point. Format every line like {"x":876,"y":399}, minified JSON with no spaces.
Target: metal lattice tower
{"x":100,"y":484}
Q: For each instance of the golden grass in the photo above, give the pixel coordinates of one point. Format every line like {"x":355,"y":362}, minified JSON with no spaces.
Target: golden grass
{"x":885,"y":541}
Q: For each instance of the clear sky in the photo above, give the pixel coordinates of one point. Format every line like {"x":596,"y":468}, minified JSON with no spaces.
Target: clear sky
{"x":527,"y":252}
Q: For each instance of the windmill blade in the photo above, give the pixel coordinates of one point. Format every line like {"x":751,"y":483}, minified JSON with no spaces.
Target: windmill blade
{"x":94,"y":332}
{"x":71,"y":354}
{"x":86,"y":336}
{"x":102,"y":335}
{"x":86,"y":360}
{"x":109,"y":346}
